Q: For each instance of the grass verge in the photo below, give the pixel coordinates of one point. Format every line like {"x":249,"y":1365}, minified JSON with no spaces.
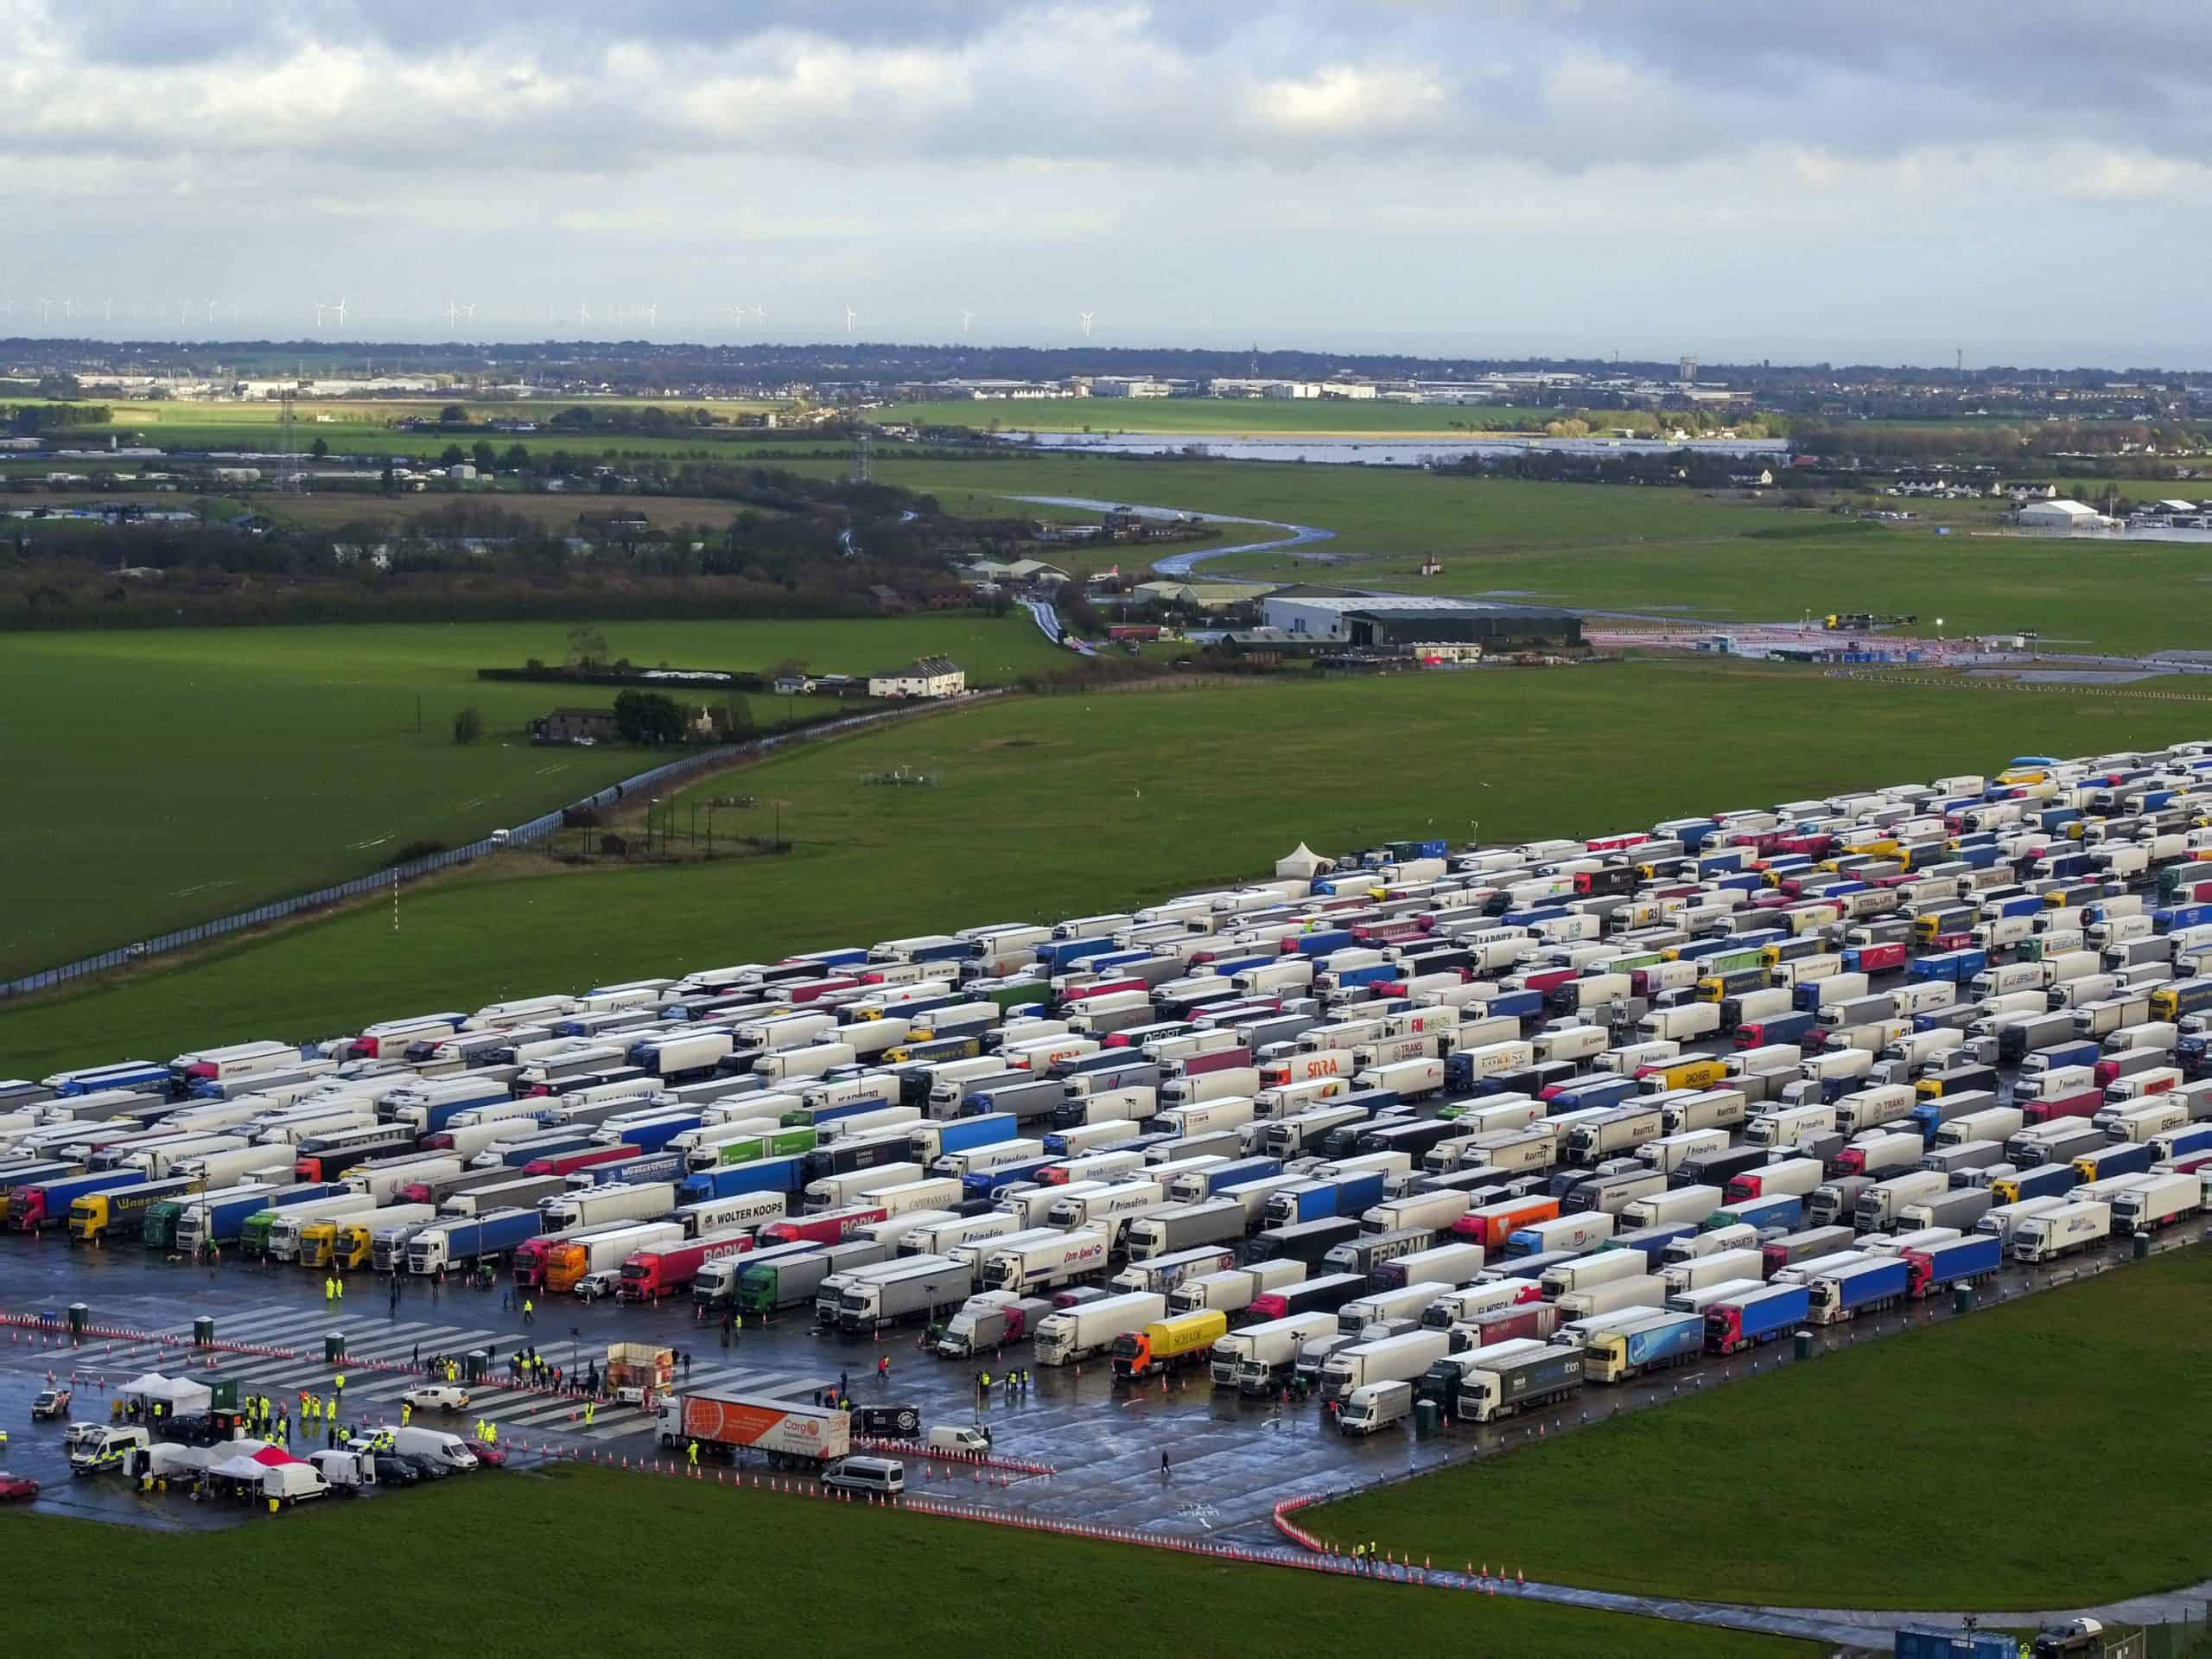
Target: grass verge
{"x":2045,"y":1453}
{"x":179,"y":775}
{"x":586,"y":1561}
{"x":1045,"y":807}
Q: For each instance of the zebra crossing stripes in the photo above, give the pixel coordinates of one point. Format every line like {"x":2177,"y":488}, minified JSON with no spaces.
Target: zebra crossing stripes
{"x":302,"y":1330}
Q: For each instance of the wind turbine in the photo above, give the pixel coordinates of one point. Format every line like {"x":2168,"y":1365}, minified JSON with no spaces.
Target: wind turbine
{"x":319,"y":309}
{"x":45,"y":310}
{"x":1084,"y":317}
{"x":211,"y":311}
{"x":652,"y":314}
{"x":583,"y":312}
{"x":967,"y":317}
{"x":851,"y":317}
{"x":471,"y":309}
{"x":453,"y":313}
{"x":761,"y":314}
{"x":340,"y":309}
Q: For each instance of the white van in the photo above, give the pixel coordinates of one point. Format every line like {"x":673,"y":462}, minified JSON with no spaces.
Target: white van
{"x":1376,"y":1406}
{"x":868,"y":1476}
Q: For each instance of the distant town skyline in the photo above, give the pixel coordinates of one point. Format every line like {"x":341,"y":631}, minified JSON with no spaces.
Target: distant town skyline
{"x":1879,"y":183}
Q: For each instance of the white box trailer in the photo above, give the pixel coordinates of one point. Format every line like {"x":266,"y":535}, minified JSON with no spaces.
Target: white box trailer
{"x":1691,"y":1204}
{"x":616,"y":1201}
{"x":1074,"y":1334}
{"x":1671,"y":1152}
{"x":1587,"y":1273}
{"x":1393,"y":1359}
{"x":1258,"y":1359}
{"x":1045,"y":1266}
{"x":2062,"y":1233}
{"x":1640,"y":1290}
{"x":1719,"y":1267}
{"x":1231,"y":1290}
{"x":835,"y":1192}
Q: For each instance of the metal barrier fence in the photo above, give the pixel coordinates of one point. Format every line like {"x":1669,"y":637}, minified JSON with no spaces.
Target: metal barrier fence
{"x":521,"y":835}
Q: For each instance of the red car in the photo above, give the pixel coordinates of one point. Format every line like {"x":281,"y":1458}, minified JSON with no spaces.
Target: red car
{"x":491,"y":1457}
{"x":17,"y":1489}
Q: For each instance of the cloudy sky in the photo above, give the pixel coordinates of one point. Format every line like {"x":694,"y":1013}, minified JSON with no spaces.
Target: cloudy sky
{"x":1883,"y":180}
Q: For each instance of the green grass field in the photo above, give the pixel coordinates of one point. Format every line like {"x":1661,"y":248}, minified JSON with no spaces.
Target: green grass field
{"x":1223,"y":417}
{"x":578,"y":1560}
{"x":1046,"y":807}
{"x":1672,"y":552}
{"x":353,"y":426}
{"x":188,"y":774}
{"x":2048,"y":1453}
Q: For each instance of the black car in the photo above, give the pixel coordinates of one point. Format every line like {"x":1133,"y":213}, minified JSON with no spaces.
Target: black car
{"x":425,"y":1468}
{"x":393,"y":1470}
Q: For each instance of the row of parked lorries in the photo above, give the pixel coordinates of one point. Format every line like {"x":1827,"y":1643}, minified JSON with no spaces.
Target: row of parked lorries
{"x":1929,"y":1014}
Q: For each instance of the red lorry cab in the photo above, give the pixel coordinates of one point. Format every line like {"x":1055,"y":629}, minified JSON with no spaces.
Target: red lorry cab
{"x":653,"y":1273}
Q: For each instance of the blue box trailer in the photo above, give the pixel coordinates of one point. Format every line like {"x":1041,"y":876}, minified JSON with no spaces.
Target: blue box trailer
{"x":1323,"y":941}
{"x":1958,"y":1261}
{"x":1866,"y":1284}
{"x":146,"y":1076}
{"x":653,"y":1133}
{"x":669,"y":1166}
{"x":1672,"y":1341}
{"x":2122,"y":1158}
{"x":2081,"y":1053}
{"x":43,"y":1202}
{"x":1056,"y":956}
{"x":2181,"y":1142}
{"x":966,"y":1134}
{"x":1950,"y":967}
{"x":441,"y":1115}
{"x":1784,"y":1210}
{"x":1320,"y":1200}
{"x":727,"y":1181}
{"x":32,"y":1171}
{"x":1739,"y":881}
{"x":475,"y":1239}
{"x":1776,"y":1028}
{"x":1523,"y":1005}
{"x":2046,"y":1180}
{"x":1611,"y":1090}
{"x":1756,"y":1316}
{"x":1226,"y":968}
{"x":983,"y":1183}
{"x":1935,"y":1642}
{"x":1238,"y":1170}
{"x":1375,"y":973}
{"x":2175,"y":917}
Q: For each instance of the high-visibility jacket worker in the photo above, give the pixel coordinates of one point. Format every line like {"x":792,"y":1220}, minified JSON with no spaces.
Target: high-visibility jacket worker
{"x":591,"y":1411}
{"x":692,"y":1453}
{"x":491,"y":1433}
{"x":340,"y":1285}
{"x":406,"y":1414}
{"x":329,"y":1290}
{"x":340,"y":1382}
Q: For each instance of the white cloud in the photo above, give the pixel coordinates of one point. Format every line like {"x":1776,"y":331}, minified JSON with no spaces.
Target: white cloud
{"x":1671,"y":167}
